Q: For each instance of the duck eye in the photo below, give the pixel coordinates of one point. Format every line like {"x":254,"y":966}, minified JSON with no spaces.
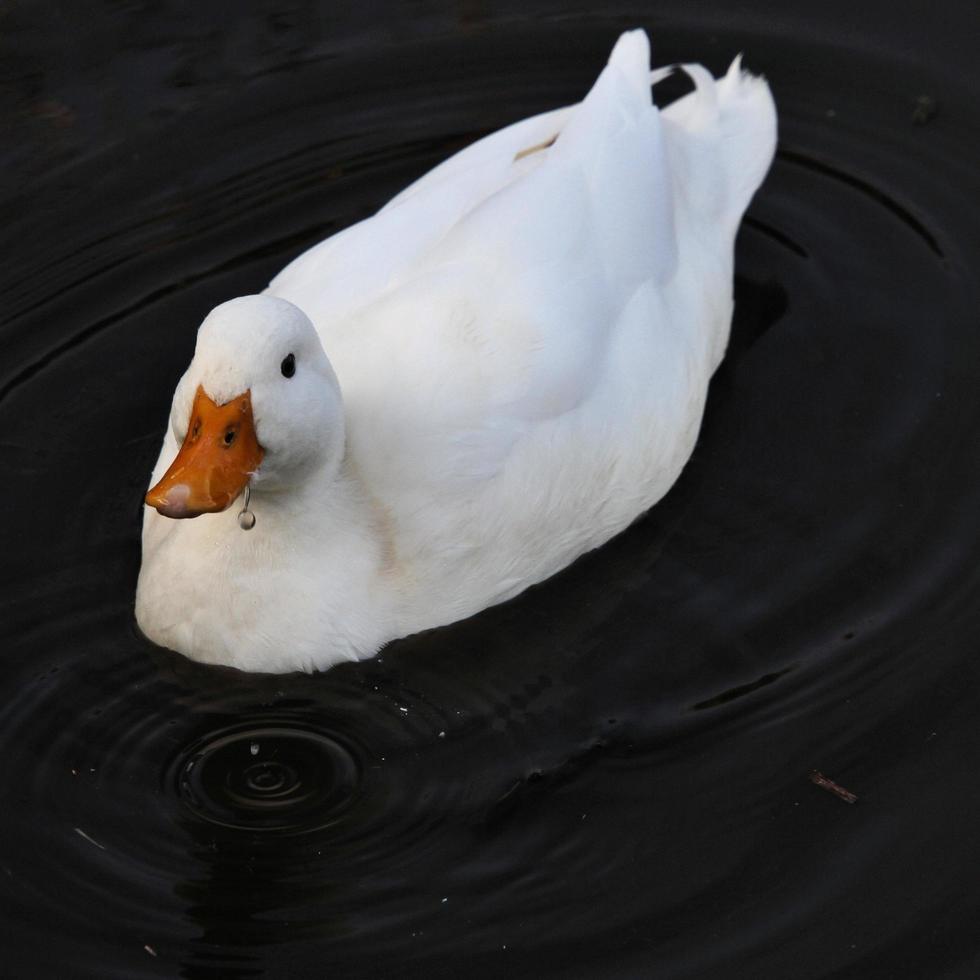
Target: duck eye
{"x":288,"y":366}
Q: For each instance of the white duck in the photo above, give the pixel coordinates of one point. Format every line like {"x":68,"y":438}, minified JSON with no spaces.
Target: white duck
{"x":519,"y":347}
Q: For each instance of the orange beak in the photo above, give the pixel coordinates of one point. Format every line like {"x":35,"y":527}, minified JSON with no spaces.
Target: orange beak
{"x":218,"y":456}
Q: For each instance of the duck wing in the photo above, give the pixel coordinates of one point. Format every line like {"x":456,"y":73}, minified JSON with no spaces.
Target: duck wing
{"x":350,"y":269}
{"x":481,"y":303}
{"x":504,"y":322}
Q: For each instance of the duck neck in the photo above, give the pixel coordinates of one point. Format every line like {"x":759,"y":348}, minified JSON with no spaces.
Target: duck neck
{"x":322,"y":508}
{"x":324,"y":534}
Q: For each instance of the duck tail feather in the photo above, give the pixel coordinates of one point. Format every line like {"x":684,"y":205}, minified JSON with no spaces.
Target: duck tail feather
{"x":614,"y":138}
{"x":723,"y":137}
{"x":747,"y":118}
{"x":631,"y":55}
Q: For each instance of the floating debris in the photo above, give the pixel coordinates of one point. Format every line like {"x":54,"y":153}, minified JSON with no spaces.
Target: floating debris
{"x":819,"y":779}
{"x":254,"y":748}
{"x":91,"y":840}
{"x":150,"y":949}
{"x":925,"y":110}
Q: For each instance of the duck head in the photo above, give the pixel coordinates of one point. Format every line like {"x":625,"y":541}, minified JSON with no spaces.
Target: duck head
{"x":258,"y":405}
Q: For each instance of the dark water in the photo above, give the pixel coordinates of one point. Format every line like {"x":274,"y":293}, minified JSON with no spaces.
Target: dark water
{"x":609,"y":776}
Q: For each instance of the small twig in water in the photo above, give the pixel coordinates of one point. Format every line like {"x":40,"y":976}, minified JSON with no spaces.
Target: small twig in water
{"x":819,"y":779}
{"x":91,"y":840}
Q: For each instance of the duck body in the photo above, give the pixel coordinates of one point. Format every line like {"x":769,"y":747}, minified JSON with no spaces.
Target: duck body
{"x":515,"y":353}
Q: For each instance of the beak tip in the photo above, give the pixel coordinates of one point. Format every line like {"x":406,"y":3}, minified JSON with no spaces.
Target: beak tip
{"x":172,"y":503}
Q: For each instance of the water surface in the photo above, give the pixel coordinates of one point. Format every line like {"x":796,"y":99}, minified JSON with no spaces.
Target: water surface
{"x":610,"y":775}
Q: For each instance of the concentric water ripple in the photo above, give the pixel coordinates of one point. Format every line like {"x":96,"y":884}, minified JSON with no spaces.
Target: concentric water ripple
{"x":268,"y":778}
{"x":608,"y":776}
